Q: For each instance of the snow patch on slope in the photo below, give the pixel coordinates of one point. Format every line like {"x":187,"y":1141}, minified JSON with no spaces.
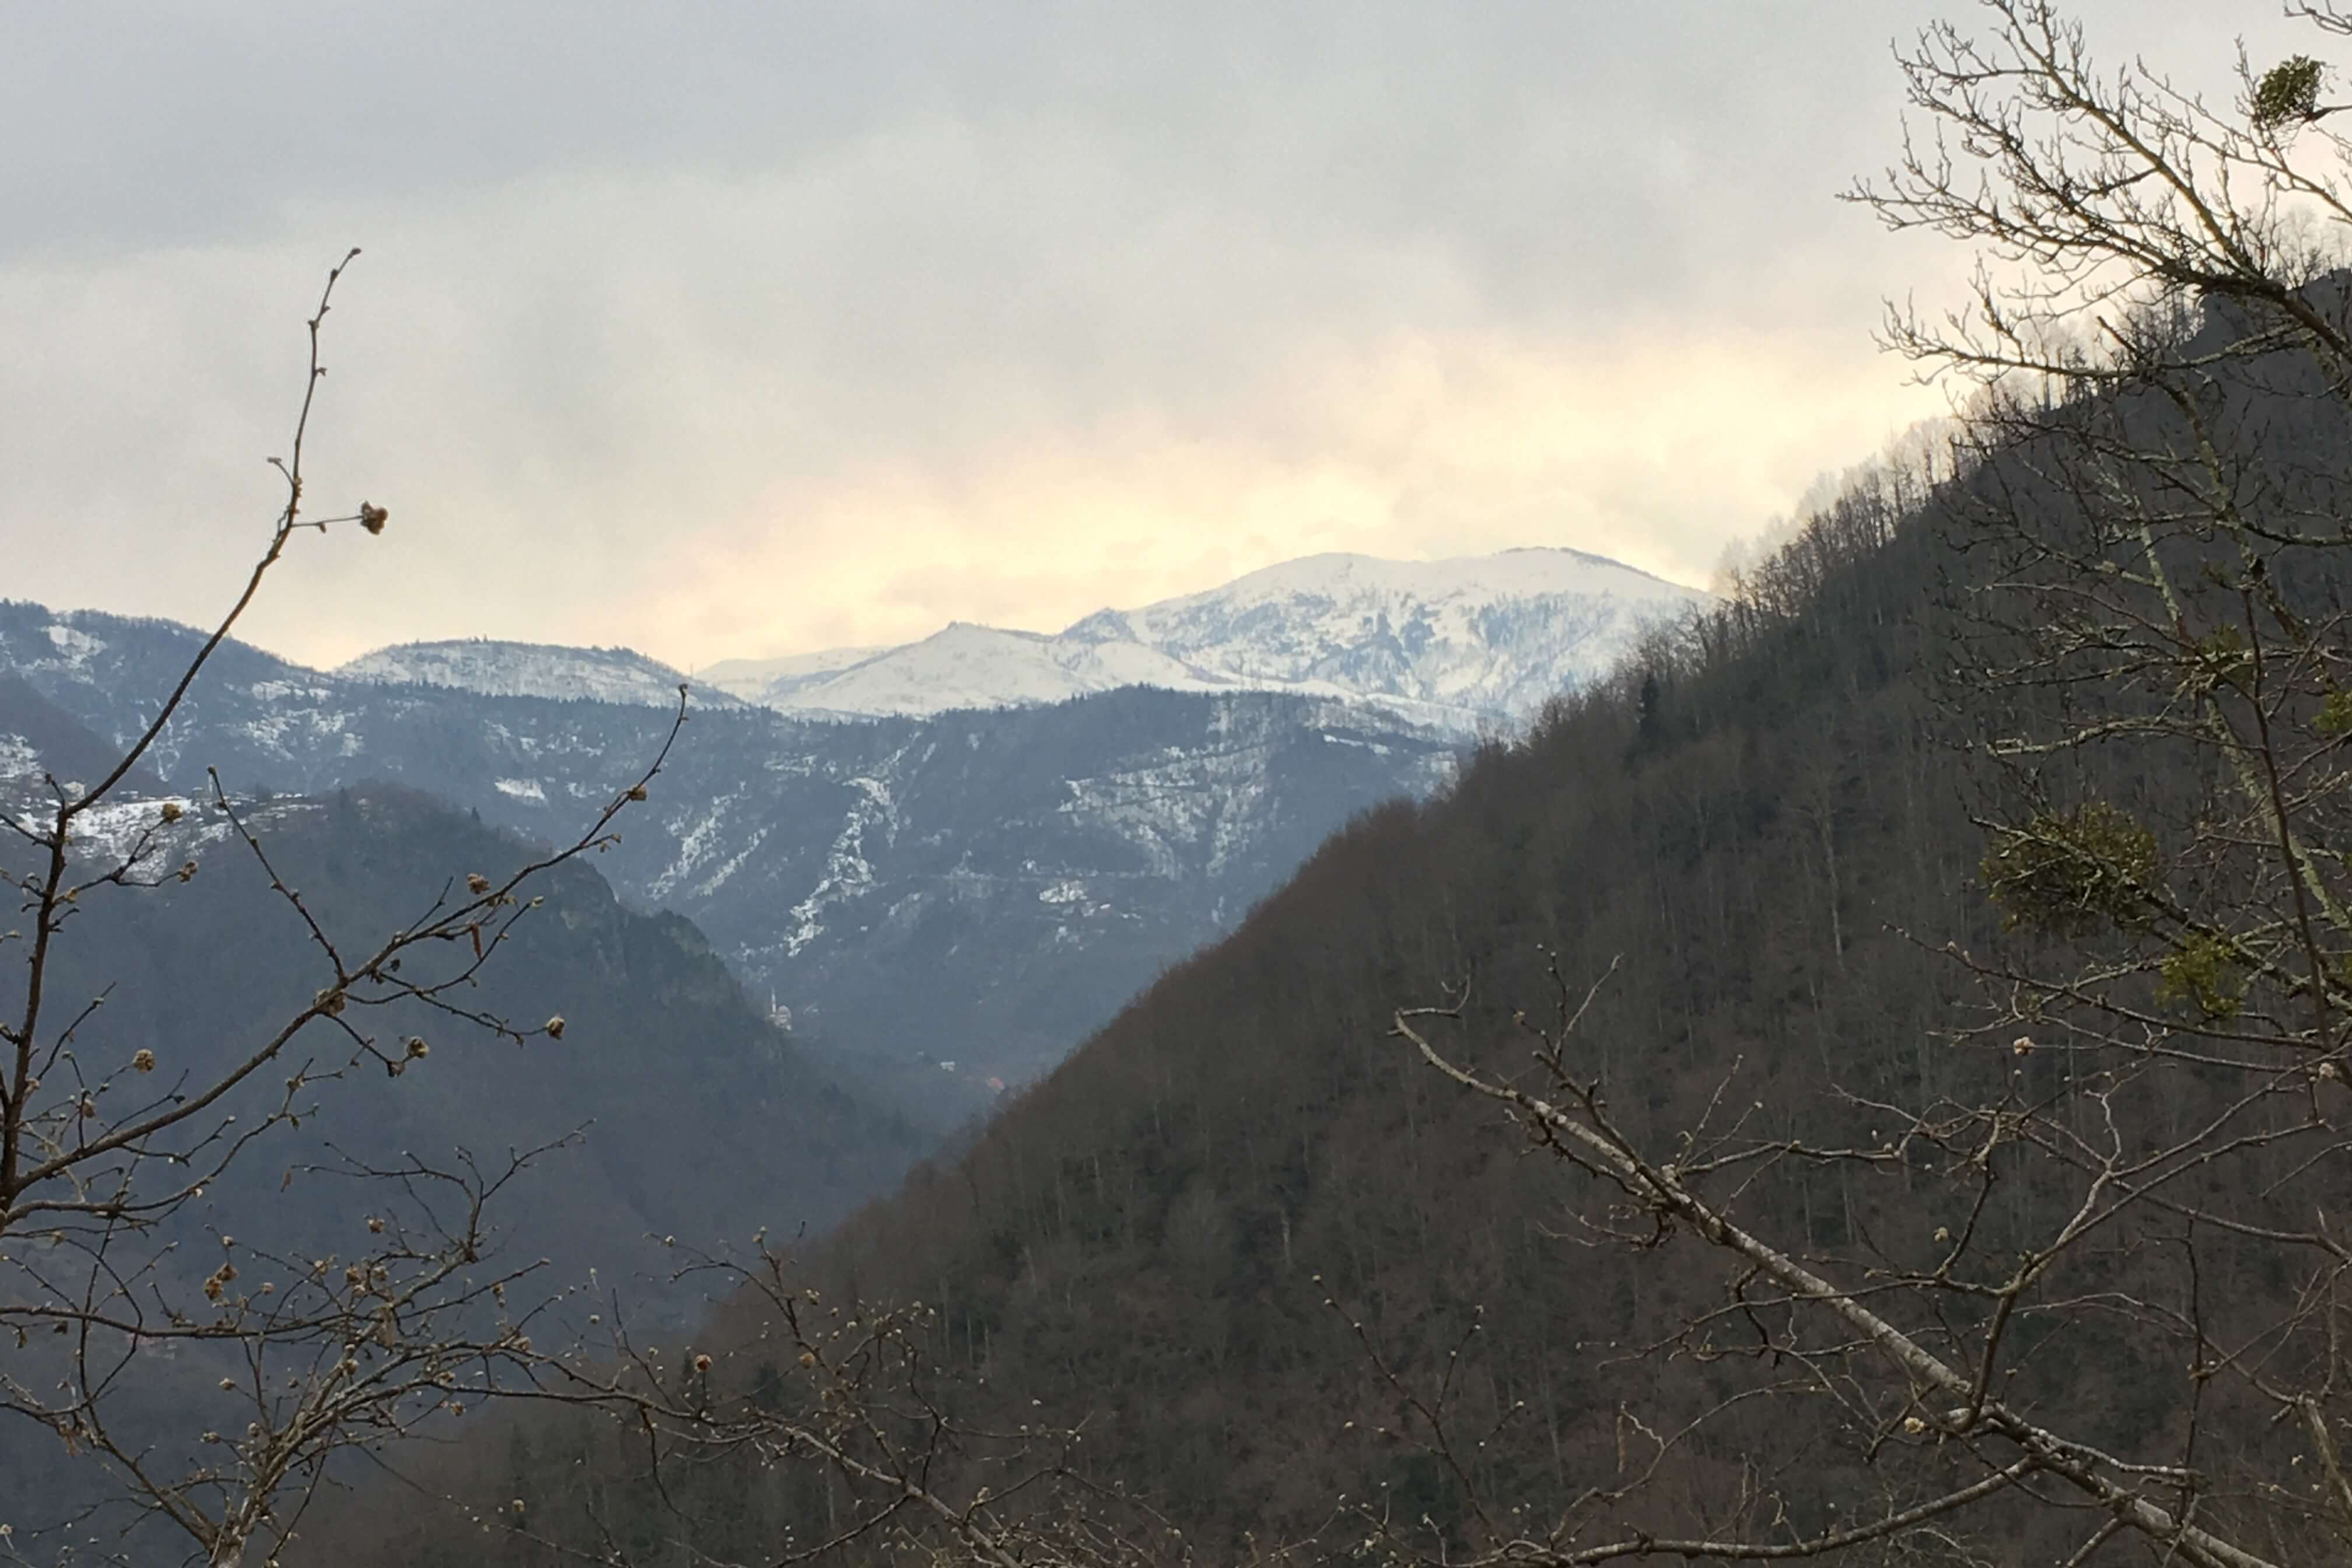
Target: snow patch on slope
{"x":848,"y":874}
{"x":74,"y":648}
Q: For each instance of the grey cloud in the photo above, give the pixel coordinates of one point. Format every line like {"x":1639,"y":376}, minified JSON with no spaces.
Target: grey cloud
{"x":650,"y":290}
{"x":1505,"y":130}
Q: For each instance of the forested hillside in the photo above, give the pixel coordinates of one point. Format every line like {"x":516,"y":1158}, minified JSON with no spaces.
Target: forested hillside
{"x":667,"y":1104}
{"x":1870,"y":1080}
{"x":1167,"y":1239}
{"x":691,"y":1108}
{"x":1149,"y":1241}
{"x":1263,"y":1259}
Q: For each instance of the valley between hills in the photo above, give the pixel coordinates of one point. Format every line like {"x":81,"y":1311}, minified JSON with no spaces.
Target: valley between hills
{"x":1497,"y":1060}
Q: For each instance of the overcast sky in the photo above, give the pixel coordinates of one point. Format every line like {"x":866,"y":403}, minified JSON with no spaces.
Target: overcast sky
{"x":731,"y":330}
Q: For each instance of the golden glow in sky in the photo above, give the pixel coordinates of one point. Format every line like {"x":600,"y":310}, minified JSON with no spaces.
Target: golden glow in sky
{"x":801,"y":326}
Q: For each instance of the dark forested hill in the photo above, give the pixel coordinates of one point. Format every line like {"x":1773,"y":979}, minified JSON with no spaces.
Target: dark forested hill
{"x":697,"y":1115}
{"x":1149,"y":1239}
{"x":1238,"y":1235}
{"x":675,"y":1106}
{"x":1165,"y":1238}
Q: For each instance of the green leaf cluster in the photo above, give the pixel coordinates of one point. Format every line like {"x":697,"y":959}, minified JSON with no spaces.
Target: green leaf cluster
{"x":2288,"y":90}
{"x":2202,"y":972}
{"x":2220,"y":655}
{"x":2069,"y":871}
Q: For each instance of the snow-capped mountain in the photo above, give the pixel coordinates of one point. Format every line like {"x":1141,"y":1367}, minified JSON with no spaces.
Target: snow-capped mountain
{"x":976,"y":846}
{"x":968,"y":666}
{"x":1463,"y":643}
{"x":984,"y":887}
{"x":752,"y":679}
{"x":496,"y":668}
{"x":1495,"y":634}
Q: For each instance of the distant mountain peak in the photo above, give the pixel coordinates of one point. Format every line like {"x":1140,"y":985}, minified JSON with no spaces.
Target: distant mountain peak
{"x":1464,"y":641}
{"x":495,"y":667}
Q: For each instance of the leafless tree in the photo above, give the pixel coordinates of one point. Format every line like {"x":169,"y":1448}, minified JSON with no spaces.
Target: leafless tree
{"x":282,"y":1367}
{"x":2099,"y":1305}
{"x":843,"y":1408}
{"x":107,"y":1145}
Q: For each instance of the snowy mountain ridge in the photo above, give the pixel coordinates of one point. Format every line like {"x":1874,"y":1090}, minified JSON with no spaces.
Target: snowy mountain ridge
{"x":1036,"y":824}
{"x":749,"y":678}
{"x":498,"y":669}
{"x":1034,"y":865}
{"x":1461,"y":642}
